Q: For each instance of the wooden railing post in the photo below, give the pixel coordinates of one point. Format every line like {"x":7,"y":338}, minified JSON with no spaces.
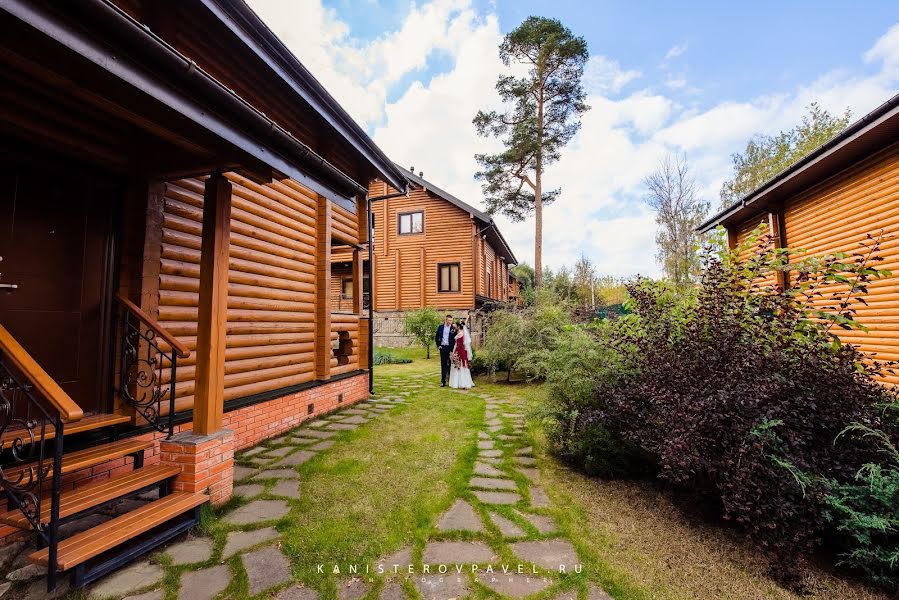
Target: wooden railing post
{"x":212,"y":314}
{"x":323,"y":351}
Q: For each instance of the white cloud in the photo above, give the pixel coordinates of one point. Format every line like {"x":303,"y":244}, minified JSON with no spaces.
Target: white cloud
{"x":676,"y":50}
{"x":623,"y":136}
{"x":603,"y":75}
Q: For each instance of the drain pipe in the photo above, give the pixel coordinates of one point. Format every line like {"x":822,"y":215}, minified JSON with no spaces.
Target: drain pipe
{"x":371,"y":300}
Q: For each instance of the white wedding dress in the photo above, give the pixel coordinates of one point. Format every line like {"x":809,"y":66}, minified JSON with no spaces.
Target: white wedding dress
{"x":460,"y":377}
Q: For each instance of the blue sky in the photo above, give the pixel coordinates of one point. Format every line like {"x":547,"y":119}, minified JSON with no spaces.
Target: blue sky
{"x":665,"y":77}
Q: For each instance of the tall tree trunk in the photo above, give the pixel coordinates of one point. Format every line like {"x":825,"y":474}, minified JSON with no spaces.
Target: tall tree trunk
{"x":538,"y":198}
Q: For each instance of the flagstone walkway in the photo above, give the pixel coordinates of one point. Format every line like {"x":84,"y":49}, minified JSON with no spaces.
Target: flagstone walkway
{"x":498,"y":536}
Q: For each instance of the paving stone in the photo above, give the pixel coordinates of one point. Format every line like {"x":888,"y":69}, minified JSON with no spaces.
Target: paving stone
{"x":570,"y":595}
{"x":319,"y":424}
{"x":491,"y":453}
{"x":495,"y":428}
{"x":460,"y":517}
{"x":241,"y":472}
{"x":278,"y":474}
{"x":241,"y":540}
{"x":533,"y":474}
{"x":303,"y":441}
{"x":450,"y":553}
{"x":507,"y":438}
{"x":493,"y":460}
{"x":392,"y":591}
{"x":299,"y":593}
{"x":190,"y":551}
{"x":352,"y":589}
{"x":356,"y":420}
{"x":312,"y":433}
{"x":594,"y":592}
{"x":549,"y":554}
{"x":356,"y":411}
{"x":494,"y":422}
{"x":28,"y":572}
{"x":485,"y":445}
{"x":491,"y":483}
{"x":442,"y":587}
{"x":507,"y":527}
{"x":514,"y":584}
{"x":257,"y":511}
{"x":297,"y":458}
{"x":124,"y":581}
{"x":526,"y":451}
{"x":284,"y":439}
{"x":527,"y":461}
{"x":253,"y":451}
{"x":342,"y":427}
{"x":265,"y":568}
{"x":154,"y":595}
{"x":541,"y":523}
{"x":286,"y":488}
{"x":278,"y":452}
{"x":205,"y":584}
{"x":323,"y":445}
{"x":402,"y":558}
{"x":249,"y":490}
{"x":482,"y":468}
{"x":539,"y":499}
{"x":497,"y":497}
{"x":483,"y":435}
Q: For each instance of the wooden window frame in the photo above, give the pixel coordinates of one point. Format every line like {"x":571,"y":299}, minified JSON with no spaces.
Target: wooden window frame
{"x":343,"y":282}
{"x":458,"y":266}
{"x":410,"y":213}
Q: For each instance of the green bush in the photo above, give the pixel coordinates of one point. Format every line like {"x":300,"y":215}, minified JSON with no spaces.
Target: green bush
{"x":866,"y":513}
{"x":386,"y":358}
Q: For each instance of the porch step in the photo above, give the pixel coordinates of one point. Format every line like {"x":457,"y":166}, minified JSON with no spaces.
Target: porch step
{"x":86,"y":424}
{"x":80,"y":459}
{"x":83,"y":546}
{"x":94,"y":494}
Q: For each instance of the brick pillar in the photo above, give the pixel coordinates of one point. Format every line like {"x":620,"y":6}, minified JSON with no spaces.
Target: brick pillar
{"x":206,"y":462}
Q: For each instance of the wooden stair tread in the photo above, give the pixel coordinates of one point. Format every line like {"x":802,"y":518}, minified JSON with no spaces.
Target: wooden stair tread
{"x":83,"y":546}
{"x":94,"y":494}
{"x":80,"y":459}
{"x":86,"y":424}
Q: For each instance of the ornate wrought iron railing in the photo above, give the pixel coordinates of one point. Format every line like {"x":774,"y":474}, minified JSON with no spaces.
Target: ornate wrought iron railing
{"x":33,"y":412}
{"x":148,"y":363}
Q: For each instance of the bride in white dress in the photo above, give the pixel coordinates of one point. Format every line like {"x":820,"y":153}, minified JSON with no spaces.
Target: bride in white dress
{"x":460,"y":372}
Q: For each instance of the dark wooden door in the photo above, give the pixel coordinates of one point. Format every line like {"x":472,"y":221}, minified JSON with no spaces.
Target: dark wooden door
{"x":53,"y":241}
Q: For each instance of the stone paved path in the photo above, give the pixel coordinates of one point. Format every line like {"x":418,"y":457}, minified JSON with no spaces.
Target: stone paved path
{"x":504,"y":513}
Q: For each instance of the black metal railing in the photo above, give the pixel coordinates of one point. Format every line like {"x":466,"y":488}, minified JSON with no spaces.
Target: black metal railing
{"x":31,"y":445}
{"x":148,"y":367}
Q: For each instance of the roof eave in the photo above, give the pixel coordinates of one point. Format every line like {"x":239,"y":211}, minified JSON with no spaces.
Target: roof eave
{"x":235,"y":13}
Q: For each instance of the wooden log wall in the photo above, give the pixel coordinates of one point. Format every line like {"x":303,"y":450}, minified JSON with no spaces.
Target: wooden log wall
{"x":271,"y":284}
{"x":344,"y":225}
{"x":837,"y":214}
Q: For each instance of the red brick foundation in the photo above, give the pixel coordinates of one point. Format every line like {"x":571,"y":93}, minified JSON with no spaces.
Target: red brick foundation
{"x":248,"y":426}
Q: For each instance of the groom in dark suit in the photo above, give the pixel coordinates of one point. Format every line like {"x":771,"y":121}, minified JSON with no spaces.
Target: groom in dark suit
{"x":445,"y":338}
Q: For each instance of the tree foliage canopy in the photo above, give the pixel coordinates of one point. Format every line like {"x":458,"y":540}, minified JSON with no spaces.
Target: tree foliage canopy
{"x":552,"y":92}
{"x":422,"y":324}
{"x":767,"y":155}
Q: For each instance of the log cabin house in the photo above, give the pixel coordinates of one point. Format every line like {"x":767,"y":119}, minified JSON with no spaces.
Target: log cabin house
{"x":174,"y":183}
{"x":430,"y":249}
{"x":829,"y":202}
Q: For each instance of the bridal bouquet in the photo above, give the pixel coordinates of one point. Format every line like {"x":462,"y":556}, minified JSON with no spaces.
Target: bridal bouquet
{"x":454,"y":358}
